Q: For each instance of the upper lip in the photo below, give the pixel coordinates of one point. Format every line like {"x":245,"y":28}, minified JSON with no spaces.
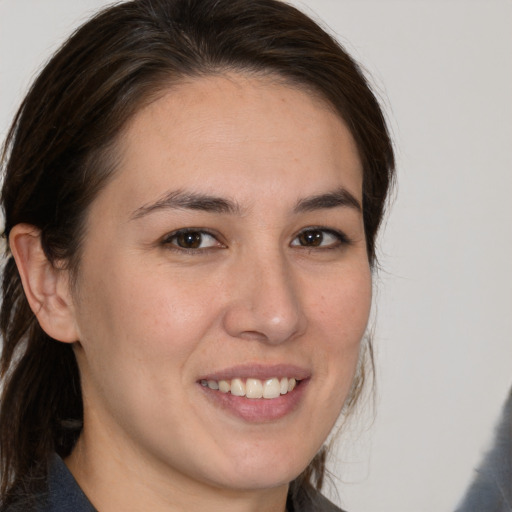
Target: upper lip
{"x":258,"y":371}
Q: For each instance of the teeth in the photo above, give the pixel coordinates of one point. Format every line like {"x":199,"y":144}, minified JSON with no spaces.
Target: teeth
{"x":224,"y":386}
{"x":253,"y":388}
{"x":237,"y":387}
{"x":283,"y":386}
{"x":213,"y":384}
{"x":271,"y":388}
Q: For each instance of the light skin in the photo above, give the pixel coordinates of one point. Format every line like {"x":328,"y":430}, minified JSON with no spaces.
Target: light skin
{"x":267,"y":181}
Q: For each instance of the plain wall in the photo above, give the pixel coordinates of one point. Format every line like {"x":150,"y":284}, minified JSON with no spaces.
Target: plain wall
{"x":443,"y":329}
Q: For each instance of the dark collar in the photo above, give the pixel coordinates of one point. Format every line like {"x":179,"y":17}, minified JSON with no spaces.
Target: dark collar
{"x":64,"y":493}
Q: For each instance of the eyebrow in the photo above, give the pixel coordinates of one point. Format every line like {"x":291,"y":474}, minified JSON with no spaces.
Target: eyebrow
{"x":341,"y":197}
{"x":181,"y":200}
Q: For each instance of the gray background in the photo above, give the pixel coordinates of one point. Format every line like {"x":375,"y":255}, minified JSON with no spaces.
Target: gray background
{"x":443,"y":327}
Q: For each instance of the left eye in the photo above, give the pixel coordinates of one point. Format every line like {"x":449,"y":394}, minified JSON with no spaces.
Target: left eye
{"x":192,"y":239}
{"x":317,"y":238}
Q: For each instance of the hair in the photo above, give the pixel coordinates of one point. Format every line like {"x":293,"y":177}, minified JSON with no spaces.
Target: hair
{"x":60,"y":150}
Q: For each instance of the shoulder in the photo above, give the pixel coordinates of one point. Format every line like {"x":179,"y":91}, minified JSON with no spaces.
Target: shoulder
{"x":64,"y":493}
{"x":59,"y":493}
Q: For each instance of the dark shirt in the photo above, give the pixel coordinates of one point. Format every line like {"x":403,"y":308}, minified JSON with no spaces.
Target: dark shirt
{"x":60,"y":493}
{"x":63,"y":494}
{"x":63,"y":491}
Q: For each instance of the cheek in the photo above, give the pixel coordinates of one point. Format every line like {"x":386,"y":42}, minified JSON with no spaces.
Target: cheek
{"x":148,"y":310}
{"x":140,"y":327}
{"x":138,"y":330}
{"x":344,"y":306}
{"x":341,"y":317}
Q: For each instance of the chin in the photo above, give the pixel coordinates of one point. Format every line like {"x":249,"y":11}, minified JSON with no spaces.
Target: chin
{"x":252,"y":473}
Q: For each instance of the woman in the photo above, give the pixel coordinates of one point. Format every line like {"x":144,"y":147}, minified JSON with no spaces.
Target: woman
{"x":192,"y":194}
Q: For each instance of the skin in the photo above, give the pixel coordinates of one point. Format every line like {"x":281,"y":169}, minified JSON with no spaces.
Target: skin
{"x":152,"y":317}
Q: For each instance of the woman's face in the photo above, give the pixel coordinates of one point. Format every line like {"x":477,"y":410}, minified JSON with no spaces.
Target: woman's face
{"x":228,"y":249}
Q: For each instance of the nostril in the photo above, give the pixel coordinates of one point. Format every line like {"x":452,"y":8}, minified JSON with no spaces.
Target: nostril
{"x":253,"y":335}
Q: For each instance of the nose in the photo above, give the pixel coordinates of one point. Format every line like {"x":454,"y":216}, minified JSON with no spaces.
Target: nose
{"x":264,"y":301}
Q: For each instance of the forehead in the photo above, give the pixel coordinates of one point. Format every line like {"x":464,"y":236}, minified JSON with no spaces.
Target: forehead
{"x":218,"y":133}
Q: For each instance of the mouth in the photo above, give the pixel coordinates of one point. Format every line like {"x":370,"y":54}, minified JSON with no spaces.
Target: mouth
{"x":253,"y":388}
{"x":257,"y":393}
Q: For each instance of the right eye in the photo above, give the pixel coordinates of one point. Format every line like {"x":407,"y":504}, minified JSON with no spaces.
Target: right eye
{"x":191,"y":240}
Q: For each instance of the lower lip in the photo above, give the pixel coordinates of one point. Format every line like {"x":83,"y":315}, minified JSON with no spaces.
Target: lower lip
{"x":258,"y":410}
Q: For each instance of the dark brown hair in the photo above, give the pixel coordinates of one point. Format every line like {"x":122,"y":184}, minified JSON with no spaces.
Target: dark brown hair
{"x":58,"y":155}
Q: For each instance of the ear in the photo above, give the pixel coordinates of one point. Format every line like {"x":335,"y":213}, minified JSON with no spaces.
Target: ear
{"x":46,"y":286}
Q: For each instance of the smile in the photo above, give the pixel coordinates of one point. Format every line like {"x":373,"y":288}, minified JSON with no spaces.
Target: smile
{"x":253,"y":388}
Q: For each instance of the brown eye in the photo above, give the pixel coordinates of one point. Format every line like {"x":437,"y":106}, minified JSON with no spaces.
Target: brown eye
{"x":189,"y":239}
{"x":311,"y":238}
{"x":322,"y":238}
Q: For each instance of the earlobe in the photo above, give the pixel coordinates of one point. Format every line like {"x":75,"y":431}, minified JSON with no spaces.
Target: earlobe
{"x":46,"y":287}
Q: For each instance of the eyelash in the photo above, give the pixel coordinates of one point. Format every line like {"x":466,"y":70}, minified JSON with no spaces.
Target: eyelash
{"x":341,"y":238}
